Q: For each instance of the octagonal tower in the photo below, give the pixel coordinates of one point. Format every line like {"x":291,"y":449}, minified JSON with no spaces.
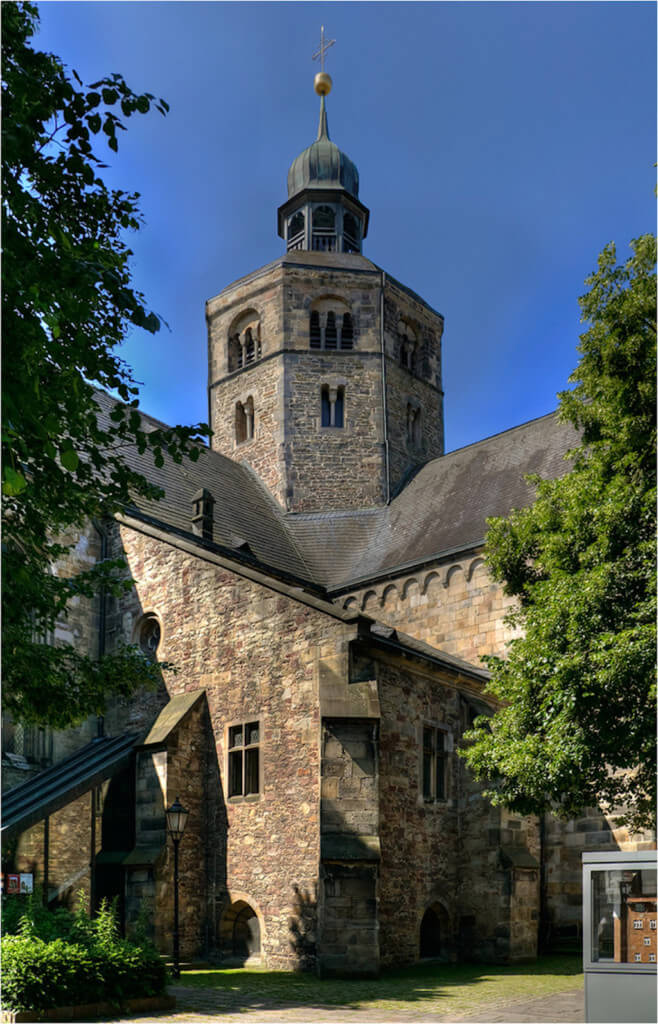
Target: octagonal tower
{"x":324,"y":372}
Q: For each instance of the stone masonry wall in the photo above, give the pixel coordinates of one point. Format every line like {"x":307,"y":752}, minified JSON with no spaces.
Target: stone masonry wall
{"x":421,"y":387}
{"x":308,"y":467}
{"x":255,"y":652}
{"x":445,"y":854}
{"x":419,"y":841}
{"x":333,"y":467}
{"x":264,"y":452}
{"x":348,"y":940}
{"x":452,"y":605}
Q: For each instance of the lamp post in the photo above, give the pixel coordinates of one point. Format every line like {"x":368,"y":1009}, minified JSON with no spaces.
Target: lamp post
{"x":176,"y":822}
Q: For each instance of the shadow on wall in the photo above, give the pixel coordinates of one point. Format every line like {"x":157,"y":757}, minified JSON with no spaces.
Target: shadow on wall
{"x":303,"y":927}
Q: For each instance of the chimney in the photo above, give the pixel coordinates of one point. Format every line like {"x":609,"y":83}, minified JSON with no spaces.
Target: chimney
{"x":202,"y":514}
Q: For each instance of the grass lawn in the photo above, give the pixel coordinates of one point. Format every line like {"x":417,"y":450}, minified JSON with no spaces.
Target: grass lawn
{"x":445,"y":988}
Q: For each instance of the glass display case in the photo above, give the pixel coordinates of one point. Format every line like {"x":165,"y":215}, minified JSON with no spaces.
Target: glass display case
{"x":619,"y":936}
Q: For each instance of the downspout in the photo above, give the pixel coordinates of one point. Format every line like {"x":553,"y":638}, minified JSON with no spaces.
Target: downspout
{"x":384,"y":399}
{"x":100,"y":721}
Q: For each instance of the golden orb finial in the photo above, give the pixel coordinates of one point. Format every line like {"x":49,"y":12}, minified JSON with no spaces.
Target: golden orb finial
{"x":322,"y":83}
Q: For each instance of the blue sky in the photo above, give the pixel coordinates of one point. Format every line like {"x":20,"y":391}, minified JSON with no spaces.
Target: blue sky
{"x":500,"y":146}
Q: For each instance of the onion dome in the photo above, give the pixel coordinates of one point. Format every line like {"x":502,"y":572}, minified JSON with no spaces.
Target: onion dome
{"x":323,"y":164}
{"x":323,"y":212}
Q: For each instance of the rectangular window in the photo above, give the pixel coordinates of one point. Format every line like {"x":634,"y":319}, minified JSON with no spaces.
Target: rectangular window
{"x":434,"y":764}
{"x":244,"y":759}
{"x":623,"y":905}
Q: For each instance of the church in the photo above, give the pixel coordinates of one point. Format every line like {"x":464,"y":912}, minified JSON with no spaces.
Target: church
{"x":316,"y":579}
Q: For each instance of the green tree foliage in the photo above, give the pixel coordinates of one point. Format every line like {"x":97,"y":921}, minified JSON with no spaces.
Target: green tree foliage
{"x":67,"y":304}
{"x":577,"y":726}
{"x":58,"y":958}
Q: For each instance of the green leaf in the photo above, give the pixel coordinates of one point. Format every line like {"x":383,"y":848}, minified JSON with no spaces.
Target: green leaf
{"x":69,"y":459}
{"x":13,"y":481}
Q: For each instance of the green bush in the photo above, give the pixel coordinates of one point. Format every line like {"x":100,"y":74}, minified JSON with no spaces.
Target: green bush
{"x":23,"y":915}
{"x":60,"y":958}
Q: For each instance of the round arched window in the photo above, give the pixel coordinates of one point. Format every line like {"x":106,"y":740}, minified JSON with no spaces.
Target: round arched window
{"x":324,"y":217}
{"x":149,"y":635}
{"x":296,"y":224}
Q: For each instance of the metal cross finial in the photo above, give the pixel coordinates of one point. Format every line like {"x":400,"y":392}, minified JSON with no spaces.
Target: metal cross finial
{"x":322,"y":49}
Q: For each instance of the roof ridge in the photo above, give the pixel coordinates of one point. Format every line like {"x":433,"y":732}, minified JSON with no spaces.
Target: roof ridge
{"x":490,"y":437}
{"x":280,"y":515}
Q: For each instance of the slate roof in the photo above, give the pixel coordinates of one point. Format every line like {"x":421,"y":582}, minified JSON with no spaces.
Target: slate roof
{"x":244,"y":511}
{"x":441,"y":510}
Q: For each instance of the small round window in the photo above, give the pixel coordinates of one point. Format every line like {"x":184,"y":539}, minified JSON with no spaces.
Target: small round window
{"x":149,"y":635}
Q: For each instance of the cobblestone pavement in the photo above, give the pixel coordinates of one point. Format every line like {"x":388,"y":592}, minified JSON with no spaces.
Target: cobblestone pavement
{"x":195,"y":1006}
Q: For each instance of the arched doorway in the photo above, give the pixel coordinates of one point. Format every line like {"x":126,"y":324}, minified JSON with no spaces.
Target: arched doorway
{"x":246,"y":933}
{"x":240,"y":936}
{"x":434,"y":934}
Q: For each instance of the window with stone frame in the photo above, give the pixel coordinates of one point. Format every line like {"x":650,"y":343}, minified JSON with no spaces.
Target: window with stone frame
{"x":414,"y":428}
{"x":244,"y":421}
{"x":243,"y":759}
{"x":434,"y":765}
{"x":26,"y":743}
{"x":296,"y":231}
{"x":408,"y":346}
{"x":331,"y":325}
{"x":324,"y":229}
{"x":244,"y":341}
{"x":332,"y":402}
{"x":351,"y":233}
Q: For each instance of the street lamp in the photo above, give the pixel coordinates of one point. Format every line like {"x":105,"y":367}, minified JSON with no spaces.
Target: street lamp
{"x":176,"y":822}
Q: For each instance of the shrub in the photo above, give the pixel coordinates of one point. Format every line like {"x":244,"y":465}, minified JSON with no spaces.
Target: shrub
{"x":58,"y":959}
{"x":25,"y":915}
{"x":37,"y":975}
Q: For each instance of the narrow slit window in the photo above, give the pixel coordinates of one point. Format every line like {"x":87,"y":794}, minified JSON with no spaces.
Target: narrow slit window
{"x":326,"y":408}
{"x":339,"y":409}
{"x":240,"y":423}
{"x":434,"y":765}
{"x":330,"y":332}
{"x":347,"y":332}
{"x":315,"y":334}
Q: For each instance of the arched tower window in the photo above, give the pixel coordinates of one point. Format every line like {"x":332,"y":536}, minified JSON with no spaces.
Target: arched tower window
{"x":296,"y":226}
{"x":244,"y":420}
{"x":408,"y":346}
{"x":244,"y":342}
{"x":240,"y":423}
{"x":234,"y":353}
{"x":331,"y":325}
{"x":347,"y":332}
{"x":330,"y":332}
{"x":324,"y":229}
{"x":414,"y":434}
{"x":351,"y":233}
{"x":315,"y":337}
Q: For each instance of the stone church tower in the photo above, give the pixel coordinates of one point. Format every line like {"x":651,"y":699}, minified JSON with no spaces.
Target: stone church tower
{"x":324,"y":372}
